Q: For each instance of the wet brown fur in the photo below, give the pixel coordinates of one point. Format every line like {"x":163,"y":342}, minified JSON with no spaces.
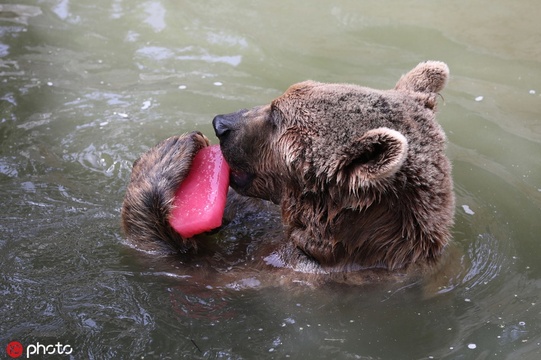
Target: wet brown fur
{"x":360,"y":175}
{"x":155,"y":177}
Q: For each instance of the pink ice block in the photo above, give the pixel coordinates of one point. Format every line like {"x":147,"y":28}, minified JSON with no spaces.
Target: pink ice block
{"x":200,"y":200}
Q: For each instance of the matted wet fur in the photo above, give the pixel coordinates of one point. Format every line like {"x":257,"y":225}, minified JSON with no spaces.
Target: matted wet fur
{"x":359,"y":175}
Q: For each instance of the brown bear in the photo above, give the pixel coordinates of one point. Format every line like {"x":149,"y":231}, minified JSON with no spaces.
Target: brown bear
{"x":360,"y":176}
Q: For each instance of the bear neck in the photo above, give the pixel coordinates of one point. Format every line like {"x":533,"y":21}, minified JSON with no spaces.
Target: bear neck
{"x":380,"y":231}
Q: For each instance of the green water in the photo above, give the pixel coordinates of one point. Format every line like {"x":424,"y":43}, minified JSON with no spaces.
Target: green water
{"x":86,"y":86}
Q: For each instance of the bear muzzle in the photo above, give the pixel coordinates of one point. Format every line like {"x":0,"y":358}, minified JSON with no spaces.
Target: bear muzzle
{"x":224,"y":124}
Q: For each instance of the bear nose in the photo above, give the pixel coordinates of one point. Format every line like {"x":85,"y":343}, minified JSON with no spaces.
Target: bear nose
{"x":221,"y":125}
{"x":224,"y":123}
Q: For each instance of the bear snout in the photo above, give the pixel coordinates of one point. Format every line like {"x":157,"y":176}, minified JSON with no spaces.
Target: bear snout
{"x":223,"y":124}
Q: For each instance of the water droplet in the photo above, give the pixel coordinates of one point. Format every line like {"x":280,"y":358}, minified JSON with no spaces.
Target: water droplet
{"x":146,"y":105}
{"x":472,"y":346}
{"x":479,"y":98}
{"x":467,"y":210}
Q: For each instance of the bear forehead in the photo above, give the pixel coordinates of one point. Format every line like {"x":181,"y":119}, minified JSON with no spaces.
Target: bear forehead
{"x":342,"y":110}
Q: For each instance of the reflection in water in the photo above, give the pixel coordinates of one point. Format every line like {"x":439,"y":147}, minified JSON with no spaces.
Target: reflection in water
{"x":487,"y":258}
{"x":18,"y":14}
{"x":196,"y":301}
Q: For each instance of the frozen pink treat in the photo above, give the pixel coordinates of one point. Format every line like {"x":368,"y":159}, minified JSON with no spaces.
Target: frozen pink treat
{"x":200,"y":200}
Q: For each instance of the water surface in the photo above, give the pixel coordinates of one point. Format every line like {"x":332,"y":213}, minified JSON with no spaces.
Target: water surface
{"x":86,"y":86}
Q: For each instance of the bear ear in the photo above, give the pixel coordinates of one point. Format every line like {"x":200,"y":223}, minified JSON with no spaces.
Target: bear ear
{"x":378,"y":154}
{"x":427,"y":77}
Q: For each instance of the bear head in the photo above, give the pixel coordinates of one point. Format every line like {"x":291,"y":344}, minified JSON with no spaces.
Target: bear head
{"x":360,"y":174}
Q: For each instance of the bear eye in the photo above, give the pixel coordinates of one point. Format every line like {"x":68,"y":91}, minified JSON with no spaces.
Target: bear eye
{"x":275,"y":116}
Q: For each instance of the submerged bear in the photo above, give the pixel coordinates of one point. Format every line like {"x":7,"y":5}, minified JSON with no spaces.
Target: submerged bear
{"x":359,"y":177}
